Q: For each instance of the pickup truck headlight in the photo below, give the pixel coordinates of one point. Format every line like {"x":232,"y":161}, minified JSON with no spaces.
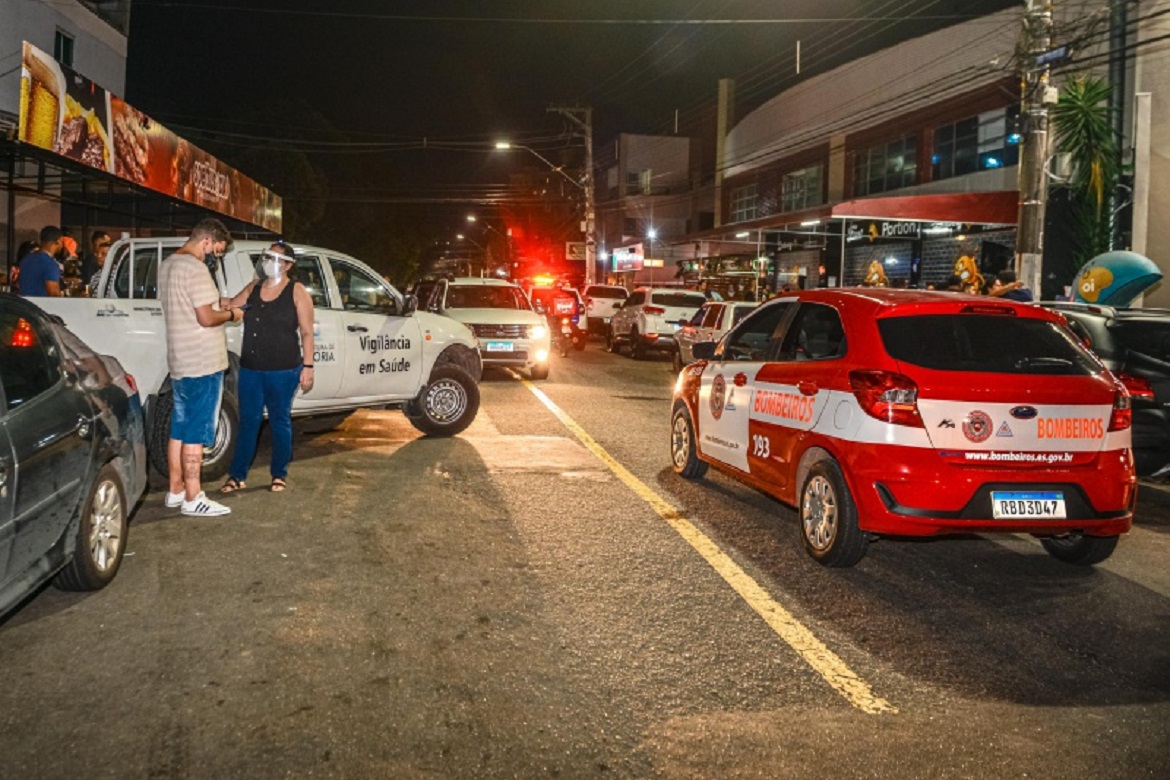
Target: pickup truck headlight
{"x":537,"y":332}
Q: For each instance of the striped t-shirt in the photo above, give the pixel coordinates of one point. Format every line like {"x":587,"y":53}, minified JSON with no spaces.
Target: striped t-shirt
{"x":184,"y":285}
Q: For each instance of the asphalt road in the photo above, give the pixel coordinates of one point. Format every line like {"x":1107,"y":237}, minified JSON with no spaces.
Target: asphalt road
{"x":543,"y":597}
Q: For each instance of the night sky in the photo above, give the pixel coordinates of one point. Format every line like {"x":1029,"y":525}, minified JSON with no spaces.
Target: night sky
{"x":463,"y":73}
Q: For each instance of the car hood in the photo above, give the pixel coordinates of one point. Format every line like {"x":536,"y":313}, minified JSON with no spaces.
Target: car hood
{"x":495,"y":316}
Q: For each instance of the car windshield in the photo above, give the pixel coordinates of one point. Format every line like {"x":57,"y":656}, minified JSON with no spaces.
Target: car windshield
{"x":616,"y":293}
{"x":486,"y":297}
{"x":1145,"y":337}
{"x":680,"y":300}
{"x":985,"y":344}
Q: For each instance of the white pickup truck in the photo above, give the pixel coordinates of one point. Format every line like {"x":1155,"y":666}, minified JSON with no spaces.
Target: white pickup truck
{"x":372,"y":347}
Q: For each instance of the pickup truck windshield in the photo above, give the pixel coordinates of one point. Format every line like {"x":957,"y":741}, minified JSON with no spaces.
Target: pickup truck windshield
{"x":486,"y":297}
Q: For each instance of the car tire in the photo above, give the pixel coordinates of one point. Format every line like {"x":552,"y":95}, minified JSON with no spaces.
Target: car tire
{"x":1079,"y":549}
{"x":828,"y":517}
{"x":101,"y":535}
{"x":217,"y":457}
{"x":538,"y":373}
{"x":611,"y":342}
{"x":684,"y":457}
{"x":636,"y":351}
{"x":580,"y":338}
{"x":447,"y":404}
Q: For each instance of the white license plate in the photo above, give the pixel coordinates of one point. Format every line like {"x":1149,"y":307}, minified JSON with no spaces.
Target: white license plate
{"x":1026,"y":506}
{"x":499,"y":346}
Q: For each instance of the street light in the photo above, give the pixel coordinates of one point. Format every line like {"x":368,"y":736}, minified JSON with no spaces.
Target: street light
{"x":590,"y":227}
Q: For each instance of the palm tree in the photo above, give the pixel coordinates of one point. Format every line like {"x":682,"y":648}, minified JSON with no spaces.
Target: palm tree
{"x":1083,"y":129}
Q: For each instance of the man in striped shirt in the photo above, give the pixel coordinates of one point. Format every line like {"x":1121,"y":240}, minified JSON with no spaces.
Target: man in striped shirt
{"x":197,"y":358}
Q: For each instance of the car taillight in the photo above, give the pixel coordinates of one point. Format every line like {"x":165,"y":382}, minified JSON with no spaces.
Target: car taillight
{"x":23,"y":336}
{"x":653,"y":310}
{"x":1137,"y":387}
{"x":130,"y":380}
{"x":889,"y":397}
{"x":1122,"y":417}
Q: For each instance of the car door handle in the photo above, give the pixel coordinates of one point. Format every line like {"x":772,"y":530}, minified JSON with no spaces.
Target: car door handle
{"x":357,"y":328}
{"x":83,"y":427}
{"x":807,"y":388}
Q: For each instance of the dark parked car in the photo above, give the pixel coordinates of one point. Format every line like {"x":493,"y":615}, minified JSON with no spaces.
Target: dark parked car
{"x":72,"y":456}
{"x":1135,"y":345}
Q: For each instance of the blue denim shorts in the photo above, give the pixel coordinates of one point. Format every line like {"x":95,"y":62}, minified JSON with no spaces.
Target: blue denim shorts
{"x":196,"y":408}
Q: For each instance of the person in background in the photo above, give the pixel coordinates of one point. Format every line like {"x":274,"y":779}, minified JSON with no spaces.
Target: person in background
{"x":40,"y":274}
{"x":196,"y":358}
{"x":954,"y":283}
{"x":1007,"y":286}
{"x":26,"y":248}
{"x":273,"y":363}
{"x":90,"y":264}
{"x":101,"y":248}
{"x":72,"y":284}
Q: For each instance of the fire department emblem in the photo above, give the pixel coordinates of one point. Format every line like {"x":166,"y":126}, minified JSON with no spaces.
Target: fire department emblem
{"x":977,"y":427}
{"x":718,"y":393}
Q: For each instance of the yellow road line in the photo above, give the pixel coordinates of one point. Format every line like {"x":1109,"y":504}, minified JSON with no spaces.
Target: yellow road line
{"x":814,"y":652}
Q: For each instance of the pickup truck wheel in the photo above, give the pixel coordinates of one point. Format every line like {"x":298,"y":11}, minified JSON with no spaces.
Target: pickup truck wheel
{"x":101,"y":535}
{"x":538,"y":373}
{"x":448,"y":403}
{"x":217,"y":457}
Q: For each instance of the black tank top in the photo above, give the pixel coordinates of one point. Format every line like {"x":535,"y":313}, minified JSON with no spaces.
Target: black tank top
{"x":270,"y":332}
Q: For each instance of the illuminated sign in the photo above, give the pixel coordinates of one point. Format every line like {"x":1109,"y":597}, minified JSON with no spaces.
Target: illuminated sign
{"x":628,"y":258}
{"x":67,"y":114}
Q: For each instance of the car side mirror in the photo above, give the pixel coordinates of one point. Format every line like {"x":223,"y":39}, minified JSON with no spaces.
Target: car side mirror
{"x":409,"y":305}
{"x":704,"y":350}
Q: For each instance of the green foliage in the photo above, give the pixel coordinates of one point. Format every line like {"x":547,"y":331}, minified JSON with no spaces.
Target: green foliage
{"x":1082,"y":122}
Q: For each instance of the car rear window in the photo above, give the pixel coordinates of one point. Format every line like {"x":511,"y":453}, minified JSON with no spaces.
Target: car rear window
{"x":985,"y":344}
{"x":681,"y":300}
{"x":1145,"y":337}
{"x":616,"y":293}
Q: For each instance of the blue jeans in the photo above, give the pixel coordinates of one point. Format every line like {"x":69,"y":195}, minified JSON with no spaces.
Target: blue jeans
{"x":258,"y":390}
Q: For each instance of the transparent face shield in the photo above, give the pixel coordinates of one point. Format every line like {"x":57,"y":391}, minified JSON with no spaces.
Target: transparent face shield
{"x":271,"y":265}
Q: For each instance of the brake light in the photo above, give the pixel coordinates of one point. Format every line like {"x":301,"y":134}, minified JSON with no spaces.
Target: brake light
{"x":130,"y":380}
{"x":1137,"y":387}
{"x":981,"y":308}
{"x":23,"y":336}
{"x":889,"y":397}
{"x":653,"y":310}
{"x":1122,"y":417}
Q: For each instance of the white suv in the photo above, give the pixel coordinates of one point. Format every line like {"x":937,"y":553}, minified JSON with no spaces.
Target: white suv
{"x":510,"y":333}
{"x":649,"y":318}
{"x":601,"y":301}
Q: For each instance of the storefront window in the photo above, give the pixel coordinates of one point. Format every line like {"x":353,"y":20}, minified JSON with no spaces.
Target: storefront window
{"x":802,"y":189}
{"x":743,"y":203}
{"x":978,"y":143}
{"x":885,"y":167}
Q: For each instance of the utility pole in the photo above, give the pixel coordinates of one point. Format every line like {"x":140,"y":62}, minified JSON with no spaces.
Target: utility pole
{"x":1037,"y":95}
{"x":583,"y":118}
{"x":1119,"y":20}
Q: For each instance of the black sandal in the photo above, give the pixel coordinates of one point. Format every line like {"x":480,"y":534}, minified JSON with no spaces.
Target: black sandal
{"x":278,"y":485}
{"x":232,"y":485}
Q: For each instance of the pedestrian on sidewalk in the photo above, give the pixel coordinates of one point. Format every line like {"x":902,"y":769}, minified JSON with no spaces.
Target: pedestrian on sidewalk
{"x":197,"y":358}
{"x":273,"y":363}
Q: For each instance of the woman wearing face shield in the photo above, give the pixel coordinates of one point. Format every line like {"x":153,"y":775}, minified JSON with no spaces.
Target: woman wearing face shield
{"x":273,"y":363}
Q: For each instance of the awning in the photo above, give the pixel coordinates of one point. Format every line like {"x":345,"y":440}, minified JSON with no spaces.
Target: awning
{"x":983,"y":208}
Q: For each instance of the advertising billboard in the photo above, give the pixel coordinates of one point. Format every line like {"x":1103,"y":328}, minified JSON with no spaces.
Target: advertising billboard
{"x":627,"y":258}
{"x":67,"y":114}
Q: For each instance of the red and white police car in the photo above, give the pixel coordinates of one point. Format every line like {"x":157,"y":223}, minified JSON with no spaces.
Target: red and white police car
{"x":906,"y":413}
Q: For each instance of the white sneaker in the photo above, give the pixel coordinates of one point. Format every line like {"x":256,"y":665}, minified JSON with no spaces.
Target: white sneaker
{"x":202,"y":506}
{"x":175,"y":500}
